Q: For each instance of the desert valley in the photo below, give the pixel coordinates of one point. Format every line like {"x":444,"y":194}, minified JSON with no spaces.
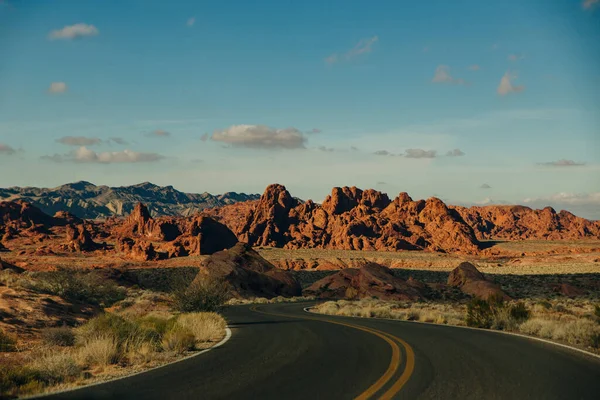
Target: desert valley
{"x":358,"y":253}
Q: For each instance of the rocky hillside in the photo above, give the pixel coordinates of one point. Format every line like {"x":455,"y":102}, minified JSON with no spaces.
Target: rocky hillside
{"x":353,"y":219}
{"x":520,"y":222}
{"x":86,"y":200}
{"x":350,"y":219}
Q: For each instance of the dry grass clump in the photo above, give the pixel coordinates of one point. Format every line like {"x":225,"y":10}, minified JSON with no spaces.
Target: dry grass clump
{"x":205,"y":326}
{"x":109,"y":340}
{"x":63,"y":336}
{"x":440,"y":313}
{"x":571,"y":321}
{"x":263,"y":300}
{"x":7,"y":342}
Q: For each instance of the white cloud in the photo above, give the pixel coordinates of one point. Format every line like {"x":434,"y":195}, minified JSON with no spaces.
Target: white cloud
{"x":589,"y":4}
{"x":563,"y":163}
{"x":191,"y":21}
{"x":79,"y":141}
{"x":119,"y":140}
{"x":485,"y":186}
{"x":74,"y":31}
{"x":158,"y":133}
{"x":474,"y":67}
{"x":260,"y":136}
{"x":515,"y":57}
{"x":383,"y":153}
{"x":455,"y":153}
{"x":205,"y":137}
{"x":364,"y":46}
{"x":442,"y":75}
{"x":57,"y":87}
{"x":586,"y":205}
{"x":85,"y":155}
{"x":326,"y":149}
{"x":6,"y":149}
{"x":506,"y":86}
{"x":314,"y":130}
{"x":420,"y":153}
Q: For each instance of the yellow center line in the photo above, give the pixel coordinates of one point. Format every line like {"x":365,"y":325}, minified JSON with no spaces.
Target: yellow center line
{"x":394,"y":362}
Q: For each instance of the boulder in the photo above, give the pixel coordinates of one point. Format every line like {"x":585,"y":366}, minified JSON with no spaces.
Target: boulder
{"x":370,"y":281}
{"x":470,"y":281}
{"x":248,"y":274}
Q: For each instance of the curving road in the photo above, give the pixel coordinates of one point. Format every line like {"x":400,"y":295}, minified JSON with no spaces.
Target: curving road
{"x":278,"y":351}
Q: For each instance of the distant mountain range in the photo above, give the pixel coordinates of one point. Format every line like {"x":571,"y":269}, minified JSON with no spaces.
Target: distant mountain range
{"x":89,"y":201}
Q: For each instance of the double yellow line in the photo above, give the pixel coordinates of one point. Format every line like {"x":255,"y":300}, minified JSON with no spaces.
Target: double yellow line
{"x":395,"y":361}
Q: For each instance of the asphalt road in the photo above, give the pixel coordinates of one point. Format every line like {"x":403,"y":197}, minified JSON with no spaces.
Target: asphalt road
{"x":279,"y":351}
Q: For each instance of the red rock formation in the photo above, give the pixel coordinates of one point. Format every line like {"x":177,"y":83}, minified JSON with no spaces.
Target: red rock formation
{"x":140,"y":224}
{"x":351,"y":219}
{"x":79,"y":239}
{"x":139,"y":250}
{"x":19,"y":216}
{"x":204,"y":235}
{"x":520,"y":222}
{"x":372,"y":280}
{"x":248,"y":274}
{"x":472,"y":282}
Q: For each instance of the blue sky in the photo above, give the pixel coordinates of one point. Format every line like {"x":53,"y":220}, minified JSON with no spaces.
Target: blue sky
{"x":234,"y":95}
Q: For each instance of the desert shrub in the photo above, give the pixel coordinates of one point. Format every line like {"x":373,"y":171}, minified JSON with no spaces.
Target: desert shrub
{"x":519,"y":312}
{"x":86,"y":287}
{"x":63,"y":336}
{"x":204,"y":326}
{"x":479,"y":313}
{"x":205,"y":294}
{"x":545,"y":304}
{"x":100,"y":350}
{"x":7,"y":342}
{"x":115,"y":326}
{"x":179,"y":340}
{"x":157,"y":324}
{"x":597,"y":312}
{"x":55,"y":367}
{"x":18,"y":379}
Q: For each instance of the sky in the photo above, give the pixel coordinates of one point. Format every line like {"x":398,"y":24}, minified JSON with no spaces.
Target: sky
{"x":493,"y":102}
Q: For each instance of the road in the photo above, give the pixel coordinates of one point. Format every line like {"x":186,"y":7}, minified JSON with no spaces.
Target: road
{"x":278,"y":351}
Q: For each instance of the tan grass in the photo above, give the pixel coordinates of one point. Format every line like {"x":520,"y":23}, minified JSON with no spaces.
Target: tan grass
{"x":101,"y":350}
{"x":205,"y":326}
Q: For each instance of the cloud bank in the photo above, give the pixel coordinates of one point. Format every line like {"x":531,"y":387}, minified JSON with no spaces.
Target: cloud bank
{"x":73,"y":32}
{"x":260,"y":137}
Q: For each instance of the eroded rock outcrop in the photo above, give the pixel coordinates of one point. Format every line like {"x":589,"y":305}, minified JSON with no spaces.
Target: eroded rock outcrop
{"x":204,"y":235}
{"x":139,"y":250}
{"x":371,"y":280}
{"x":350,"y":219}
{"x":520,"y":222}
{"x":470,"y":281}
{"x":140,"y":224}
{"x":79,"y":239}
{"x":248,"y":274}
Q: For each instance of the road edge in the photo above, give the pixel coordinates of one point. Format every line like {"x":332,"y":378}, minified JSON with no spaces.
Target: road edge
{"x":585,"y":352}
{"x":228,"y":335}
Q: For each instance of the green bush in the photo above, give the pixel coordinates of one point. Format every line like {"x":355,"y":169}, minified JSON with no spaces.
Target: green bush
{"x":13,"y":379}
{"x":519,"y":312}
{"x":7,"y":343}
{"x":179,"y":340}
{"x":80,"y":286}
{"x":479,"y":314}
{"x":206,"y":294}
{"x":494,"y":313}
{"x":107,"y":325}
{"x":597,"y":312}
{"x":157,"y":324}
{"x":63,"y":336}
